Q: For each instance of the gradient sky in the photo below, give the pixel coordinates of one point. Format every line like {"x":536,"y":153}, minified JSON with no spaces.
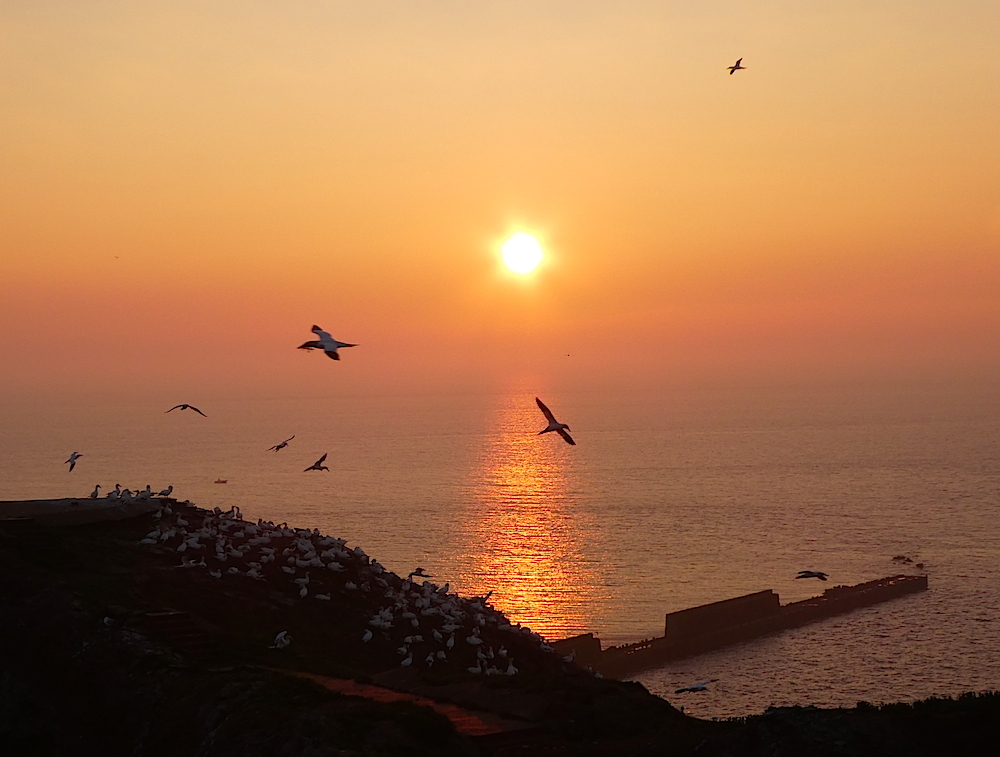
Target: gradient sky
{"x":186,"y":187}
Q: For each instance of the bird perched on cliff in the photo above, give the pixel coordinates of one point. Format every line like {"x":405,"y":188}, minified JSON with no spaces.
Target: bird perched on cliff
{"x":166,"y":492}
{"x":554,"y":425}
{"x":327,"y":343}
{"x":185,"y":406}
{"x":812,"y":574}
{"x":700,"y":686}
{"x":94,"y":494}
{"x":281,"y":445}
{"x":318,"y":465}
{"x":73,"y":458}
{"x":281,"y":641}
{"x":737,"y":67}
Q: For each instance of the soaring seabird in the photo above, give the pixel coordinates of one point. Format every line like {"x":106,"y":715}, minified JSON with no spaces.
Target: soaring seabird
{"x":73,"y":458}
{"x":554,"y":425}
{"x":327,"y":343}
{"x":318,"y":465}
{"x":186,"y":406}
{"x":737,"y":67}
{"x":812,"y":574}
{"x":700,"y":686}
{"x":281,"y":445}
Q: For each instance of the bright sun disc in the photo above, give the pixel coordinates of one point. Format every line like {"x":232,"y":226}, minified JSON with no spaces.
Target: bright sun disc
{"x":521,"y":253}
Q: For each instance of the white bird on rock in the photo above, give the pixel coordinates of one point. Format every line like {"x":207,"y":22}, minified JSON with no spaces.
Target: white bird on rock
{"x":281,"y":641}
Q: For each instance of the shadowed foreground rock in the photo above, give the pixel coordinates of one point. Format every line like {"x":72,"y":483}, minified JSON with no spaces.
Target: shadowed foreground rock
{"x":84,"y":669}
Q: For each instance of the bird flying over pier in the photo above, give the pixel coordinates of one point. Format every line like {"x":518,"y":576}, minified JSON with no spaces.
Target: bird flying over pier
{"x":812,"y":574}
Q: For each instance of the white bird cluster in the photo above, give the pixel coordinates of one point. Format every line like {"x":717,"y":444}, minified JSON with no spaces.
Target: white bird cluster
{"x":127,"y":495}
{"x":422,"y":621}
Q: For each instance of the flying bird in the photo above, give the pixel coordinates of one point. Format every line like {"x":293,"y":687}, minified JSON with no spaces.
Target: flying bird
{"x":282,"y":445}
{"x":318,"y":465}
{"x":554,"y":425}
{"x":185,"y":406}
{"x":700,"y":686}
{"x":812,"y":574}
{"x":419,"y":572}
{"x":327,"y":343}
{"x":73,"y":458}
{"x":737,"y":67}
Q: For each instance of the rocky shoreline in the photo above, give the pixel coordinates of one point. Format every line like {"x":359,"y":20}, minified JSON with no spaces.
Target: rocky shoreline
{"x":90,"y":665}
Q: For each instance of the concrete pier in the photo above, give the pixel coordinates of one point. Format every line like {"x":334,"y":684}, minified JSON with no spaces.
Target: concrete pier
{"x":720,"y":624}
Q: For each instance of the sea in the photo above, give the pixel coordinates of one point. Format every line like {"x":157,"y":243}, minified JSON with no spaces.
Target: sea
{"x":670,"y":499}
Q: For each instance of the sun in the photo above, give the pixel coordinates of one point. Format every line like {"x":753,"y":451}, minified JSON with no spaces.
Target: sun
{"x":521,"y":253}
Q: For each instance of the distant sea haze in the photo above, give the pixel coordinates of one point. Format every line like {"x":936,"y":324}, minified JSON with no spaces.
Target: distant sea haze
{"x":668,"y":501}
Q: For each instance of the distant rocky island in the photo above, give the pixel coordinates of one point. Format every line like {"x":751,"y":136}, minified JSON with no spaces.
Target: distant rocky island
{"x":184,"y":631}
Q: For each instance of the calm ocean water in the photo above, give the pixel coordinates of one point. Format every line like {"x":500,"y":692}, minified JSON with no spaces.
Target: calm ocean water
{"x":668,"y":501}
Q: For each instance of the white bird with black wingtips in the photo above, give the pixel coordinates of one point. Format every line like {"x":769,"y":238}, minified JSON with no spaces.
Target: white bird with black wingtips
{"x":325,"y":342}
{"x":554,"y":425}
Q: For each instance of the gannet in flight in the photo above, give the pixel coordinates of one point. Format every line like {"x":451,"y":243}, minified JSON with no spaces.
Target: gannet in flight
{"x":73,"y":458}
{"x":737,"y":67}
{"x":318,"y":465}
{"x":554,"y":425}
{"x":282,"y":445}
{"x":700,"y":686}
{"x":327,"y":343}
{"x":186,"y":406}
{"x":812,"y":574}
{"x":419,"y":572}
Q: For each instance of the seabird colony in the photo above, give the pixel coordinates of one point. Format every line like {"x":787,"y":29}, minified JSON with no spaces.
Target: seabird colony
{"x":426,"y":623}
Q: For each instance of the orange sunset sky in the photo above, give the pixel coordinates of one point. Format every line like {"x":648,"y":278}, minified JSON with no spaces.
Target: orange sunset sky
{"x":186,"y":187}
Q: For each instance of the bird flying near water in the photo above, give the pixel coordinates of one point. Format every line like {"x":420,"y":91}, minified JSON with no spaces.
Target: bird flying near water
{"x":281,"y":445}
{"x":325,"y":342}
{"x":554,"y":425}
{"x":812,"y":574}
{"x":318,"y":465}
{"x":700,"y":686}
{"x":185,"y":406}
{"x":73,"y":458}
{"x":737,"y":67}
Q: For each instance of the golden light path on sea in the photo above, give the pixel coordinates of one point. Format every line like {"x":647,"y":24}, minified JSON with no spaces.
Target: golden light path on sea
{"x":522,"y":532}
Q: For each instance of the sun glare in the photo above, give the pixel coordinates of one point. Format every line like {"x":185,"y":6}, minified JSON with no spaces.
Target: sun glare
{"x":521,"y":253}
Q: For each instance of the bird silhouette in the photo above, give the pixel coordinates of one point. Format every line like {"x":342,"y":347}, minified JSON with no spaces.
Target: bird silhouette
{"x":185,"y":406}
{"x":554,"y":425}
{"x":318,"y":465}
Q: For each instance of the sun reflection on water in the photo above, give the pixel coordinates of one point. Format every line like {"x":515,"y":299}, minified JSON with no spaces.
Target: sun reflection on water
{"x":523,"y":533}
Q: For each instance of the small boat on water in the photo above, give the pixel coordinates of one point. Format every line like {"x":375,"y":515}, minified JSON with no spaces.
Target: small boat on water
{"x":222,"y":481}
